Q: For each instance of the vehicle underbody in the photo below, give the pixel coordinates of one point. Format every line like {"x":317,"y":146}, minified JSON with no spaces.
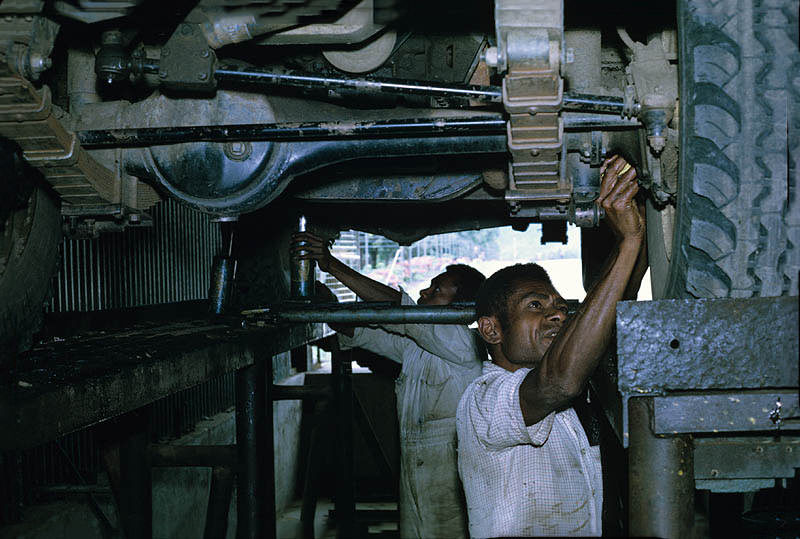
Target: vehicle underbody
{"x":403,"y":119}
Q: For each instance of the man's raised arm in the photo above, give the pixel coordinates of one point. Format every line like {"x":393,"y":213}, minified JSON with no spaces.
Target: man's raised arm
{"x":575,"y":352}
{"x":308,"y":246}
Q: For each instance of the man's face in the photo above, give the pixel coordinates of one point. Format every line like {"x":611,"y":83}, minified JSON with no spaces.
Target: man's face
{"x":442,"y":291}
{"x":536,"y":313}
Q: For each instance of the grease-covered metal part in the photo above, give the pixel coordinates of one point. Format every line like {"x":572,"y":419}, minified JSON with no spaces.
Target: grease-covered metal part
{"x":678,"y":345}
{"x":303,"y":270}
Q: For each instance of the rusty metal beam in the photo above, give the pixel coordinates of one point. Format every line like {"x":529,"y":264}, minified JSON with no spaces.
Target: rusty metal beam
{"x":71,"y":384}
{"x":660,"y":478}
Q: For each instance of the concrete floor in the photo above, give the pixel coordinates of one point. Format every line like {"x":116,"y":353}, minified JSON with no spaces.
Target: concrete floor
{"x":289,"y":526}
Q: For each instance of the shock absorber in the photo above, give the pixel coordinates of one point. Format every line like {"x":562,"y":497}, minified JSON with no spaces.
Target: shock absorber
{"x":223,"y":271}
{"x":302,"y":271}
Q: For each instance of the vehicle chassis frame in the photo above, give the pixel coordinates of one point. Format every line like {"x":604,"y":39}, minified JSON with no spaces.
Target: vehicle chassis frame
{"x":695,"y":379}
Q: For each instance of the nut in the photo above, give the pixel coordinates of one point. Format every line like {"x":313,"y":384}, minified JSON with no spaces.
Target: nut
{"x":238,"y":151}
{"x":489,"y":56}
{"x":657,"y":143}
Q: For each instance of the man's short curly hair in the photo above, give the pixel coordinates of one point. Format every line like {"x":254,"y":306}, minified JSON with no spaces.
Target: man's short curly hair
{"x":468,"y":280}
{"x":494,"y":293}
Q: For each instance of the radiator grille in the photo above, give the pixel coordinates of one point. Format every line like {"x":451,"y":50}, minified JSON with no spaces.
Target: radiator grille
{"x":168,"y":262}
{"x":165,"y":263}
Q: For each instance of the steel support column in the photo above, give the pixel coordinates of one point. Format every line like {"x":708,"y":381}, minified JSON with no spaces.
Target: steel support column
{"x":136,"y":487}
{"x":252,"y":458}
{"x":661,"y":477}
{"x":345,"y":504}
{"x":219,"y":500}
{"x":268,"y":453}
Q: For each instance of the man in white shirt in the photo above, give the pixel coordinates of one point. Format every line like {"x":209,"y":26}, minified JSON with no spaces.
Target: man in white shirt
{"x":438,"y":362}
{"x":524,"y":459}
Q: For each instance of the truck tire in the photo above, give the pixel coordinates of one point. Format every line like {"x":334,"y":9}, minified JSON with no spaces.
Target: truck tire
{"x":29,"y":241}
{"x":736,"y":225}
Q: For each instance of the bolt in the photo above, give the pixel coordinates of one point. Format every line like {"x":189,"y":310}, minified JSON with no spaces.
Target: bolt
{"x":535,"y":152}
{"x":759,"y":449}
{"x":714,"y":473}
{"x":532,"y":111}
{"x":202,"y":76}
{"x":187,"y":29}
{"x":162,"y":74}
{"x":238,"y":151}
{"x":657,"y":143}
{"x":164,"y":52}
{"x":204,"y":53}
{"x":489,"y":56}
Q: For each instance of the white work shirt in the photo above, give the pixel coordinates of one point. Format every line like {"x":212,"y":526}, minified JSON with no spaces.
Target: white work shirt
{"x":544,"y":479}
{"x":438,"y":363}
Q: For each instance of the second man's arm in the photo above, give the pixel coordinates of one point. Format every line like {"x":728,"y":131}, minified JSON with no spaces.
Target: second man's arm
{"x":308,"y":246}
{"x":574,"y":354}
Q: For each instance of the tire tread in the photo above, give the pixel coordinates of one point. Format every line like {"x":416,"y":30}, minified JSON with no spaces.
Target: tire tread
{"x":737,"y":224}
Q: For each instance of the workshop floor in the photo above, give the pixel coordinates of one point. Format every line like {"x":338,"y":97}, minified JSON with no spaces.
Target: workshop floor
{"x":289,"y":526}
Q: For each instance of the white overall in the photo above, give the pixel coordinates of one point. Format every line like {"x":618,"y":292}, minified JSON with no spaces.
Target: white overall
{"x":438,"y":363}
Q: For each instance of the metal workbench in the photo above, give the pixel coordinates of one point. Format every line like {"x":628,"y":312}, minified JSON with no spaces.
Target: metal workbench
{"x":704,"y":393}
{"x":66,"y":384}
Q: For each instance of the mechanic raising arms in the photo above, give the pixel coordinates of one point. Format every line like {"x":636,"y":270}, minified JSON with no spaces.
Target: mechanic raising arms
{"x":524,"y":459}
{"x":438,"y":362}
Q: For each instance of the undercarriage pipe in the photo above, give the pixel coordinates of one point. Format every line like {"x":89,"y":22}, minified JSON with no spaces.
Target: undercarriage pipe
{"x":367,"y":86}
{"x":307,"y":131}
{"x":491,"y":94}
{"x":365,"y":313}
{"x":361,"y":313}
{"x":593,"y":103}
{"x":291,"y":131}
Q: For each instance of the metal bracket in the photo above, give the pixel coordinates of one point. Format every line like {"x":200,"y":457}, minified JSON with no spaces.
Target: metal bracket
{"x":708,"y":363}
{"x":187,"y":62}
{"x":529,"y":47}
